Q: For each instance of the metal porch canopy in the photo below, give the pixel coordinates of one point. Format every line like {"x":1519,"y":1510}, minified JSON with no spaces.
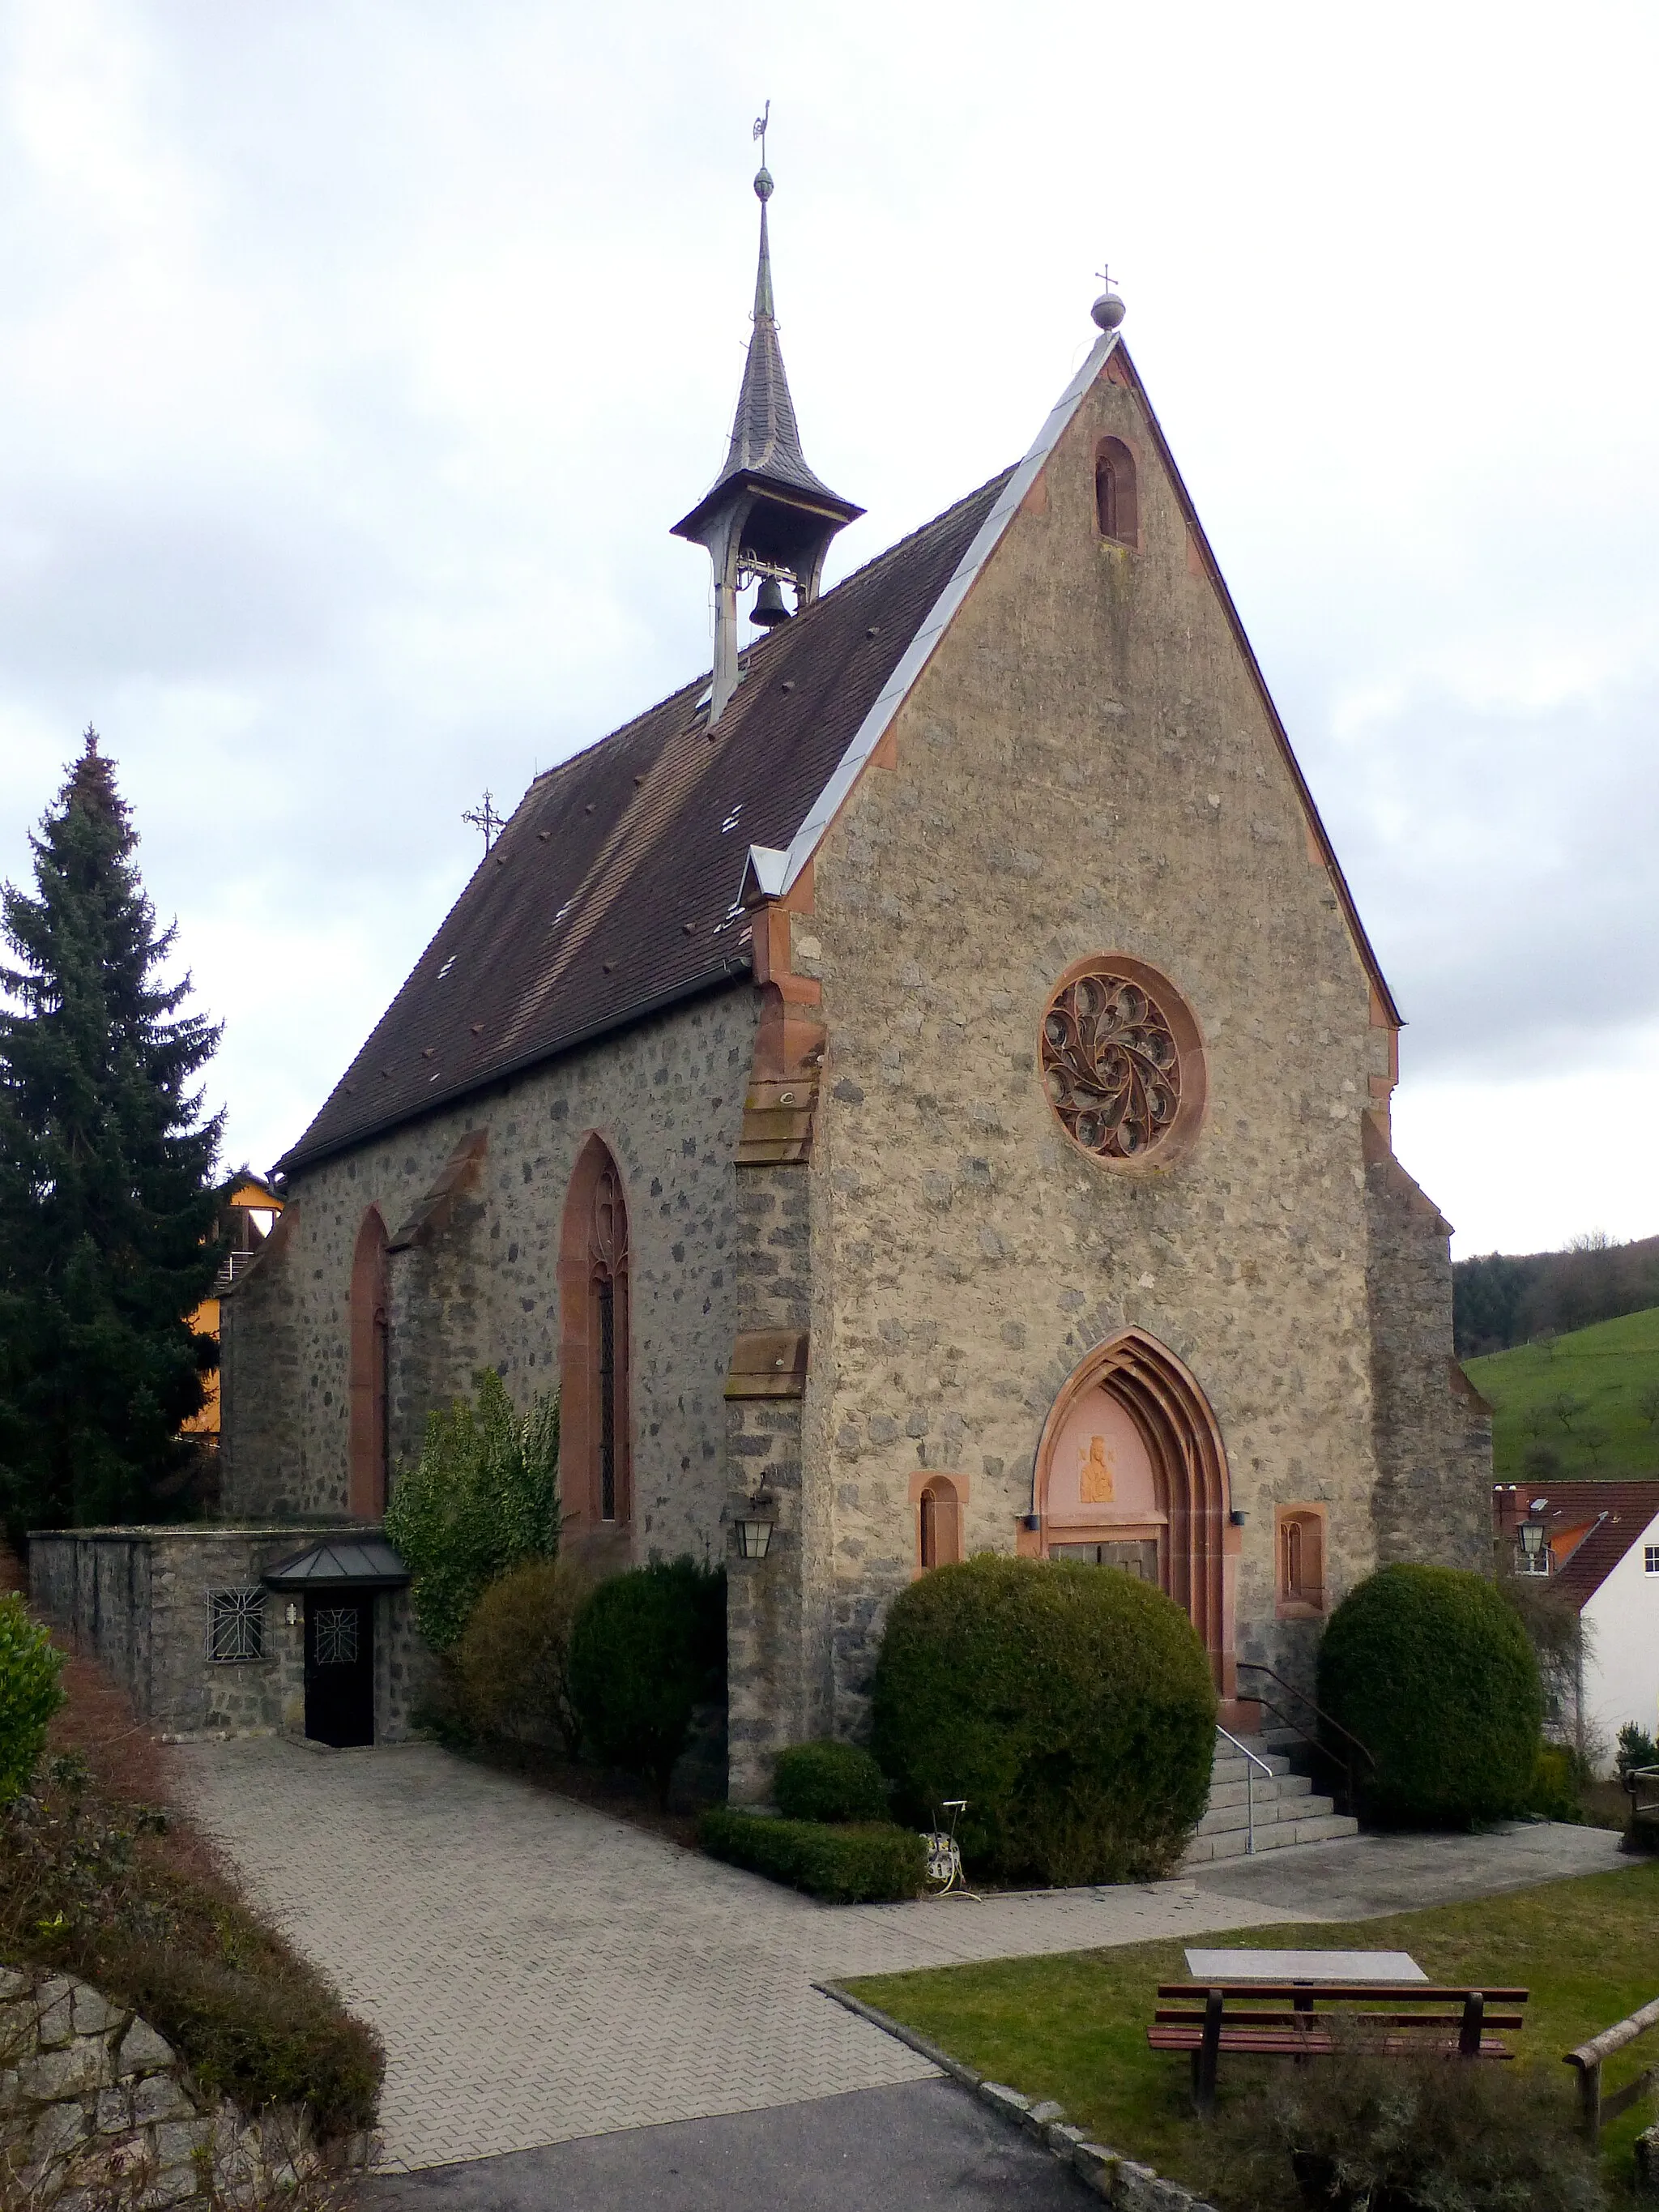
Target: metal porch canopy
{"x":340,"y":1563}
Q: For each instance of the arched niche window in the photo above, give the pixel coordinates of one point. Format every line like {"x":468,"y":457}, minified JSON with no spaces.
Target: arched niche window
{"x":595,"y":1455}
{"x":1117,"y":508}
{"x":371,"y":1293}
{"x":938,"y":1503}
{"x":1300,"y":1560}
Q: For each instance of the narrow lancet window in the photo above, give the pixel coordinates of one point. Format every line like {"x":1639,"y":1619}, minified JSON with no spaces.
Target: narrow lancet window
{"x":593,"y":1350}
{"x":1117,"y":510}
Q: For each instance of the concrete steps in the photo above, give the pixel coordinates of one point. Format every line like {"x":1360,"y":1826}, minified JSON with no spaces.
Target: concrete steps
{"x":1285,"y":1811}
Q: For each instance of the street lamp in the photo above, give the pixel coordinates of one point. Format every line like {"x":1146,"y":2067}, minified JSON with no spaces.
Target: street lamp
{"x":754,"y":1526}
{"x":1531,"y":1532}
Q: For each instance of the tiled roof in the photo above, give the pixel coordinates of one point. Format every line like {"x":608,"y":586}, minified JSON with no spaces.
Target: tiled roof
{"x":613,"y":892}
{"x":1611,"y":1515}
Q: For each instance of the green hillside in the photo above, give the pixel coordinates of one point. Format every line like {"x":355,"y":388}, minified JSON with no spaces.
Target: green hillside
{"x":1591,"y":1398}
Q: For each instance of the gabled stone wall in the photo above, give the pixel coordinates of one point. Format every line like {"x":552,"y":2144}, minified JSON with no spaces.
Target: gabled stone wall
{"x":1086,"y":767}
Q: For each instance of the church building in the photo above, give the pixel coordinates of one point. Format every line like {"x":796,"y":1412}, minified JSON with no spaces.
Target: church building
{"x":921,"y":1088}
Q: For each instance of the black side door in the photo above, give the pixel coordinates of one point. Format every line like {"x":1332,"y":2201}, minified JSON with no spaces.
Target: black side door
{"x":339,"y":1667}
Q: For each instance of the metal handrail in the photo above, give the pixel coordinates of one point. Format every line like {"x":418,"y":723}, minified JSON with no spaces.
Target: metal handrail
{"x":1249,"y":1785}
{"x":1255,"y":1666}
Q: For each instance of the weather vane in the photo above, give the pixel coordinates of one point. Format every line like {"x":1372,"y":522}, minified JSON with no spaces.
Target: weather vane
{"x":759,"y":131}
{"x":484,"y":817}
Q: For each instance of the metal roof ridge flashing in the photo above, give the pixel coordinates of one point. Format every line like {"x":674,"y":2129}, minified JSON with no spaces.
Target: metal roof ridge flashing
{"x":938,"y":617}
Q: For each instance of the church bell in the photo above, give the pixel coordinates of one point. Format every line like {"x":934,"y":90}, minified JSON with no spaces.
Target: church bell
{"x":769,"y":609}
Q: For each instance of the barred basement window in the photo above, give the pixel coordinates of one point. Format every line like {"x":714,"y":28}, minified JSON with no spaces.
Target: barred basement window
{"x":236,"y":1626}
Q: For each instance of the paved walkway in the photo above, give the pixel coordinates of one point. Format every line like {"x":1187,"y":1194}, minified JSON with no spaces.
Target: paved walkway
{"x":540,"y":1971}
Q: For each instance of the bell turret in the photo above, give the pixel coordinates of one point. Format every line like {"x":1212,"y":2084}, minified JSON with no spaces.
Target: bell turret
{"x":766,"y":515}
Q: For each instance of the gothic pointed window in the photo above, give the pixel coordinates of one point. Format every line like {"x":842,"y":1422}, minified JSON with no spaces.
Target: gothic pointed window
{"x":1117,"y":509}
{"x":595,"y":1454}
{"x":368,"y":1427}
{"x":608,"y":1264}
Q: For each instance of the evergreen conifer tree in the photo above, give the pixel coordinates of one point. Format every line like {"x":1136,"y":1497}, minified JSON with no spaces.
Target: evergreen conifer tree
{"x":107,"y":1203}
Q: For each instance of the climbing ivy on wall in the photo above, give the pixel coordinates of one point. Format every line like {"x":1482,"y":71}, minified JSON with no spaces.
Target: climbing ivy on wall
{"x":482,"y":1497}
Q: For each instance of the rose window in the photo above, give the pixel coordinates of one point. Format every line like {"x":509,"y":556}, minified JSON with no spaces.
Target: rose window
{"x":1111,"y":1065}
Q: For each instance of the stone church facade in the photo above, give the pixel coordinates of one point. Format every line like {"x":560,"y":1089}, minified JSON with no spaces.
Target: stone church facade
{"x":923,"y":1090}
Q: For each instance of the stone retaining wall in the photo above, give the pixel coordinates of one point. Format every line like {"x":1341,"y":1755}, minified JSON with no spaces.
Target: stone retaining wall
{"x":93,"y":2099}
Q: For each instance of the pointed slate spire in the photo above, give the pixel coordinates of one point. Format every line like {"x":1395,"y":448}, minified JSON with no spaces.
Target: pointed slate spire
{"x":766,"y":513}
{"x":765,"y":435}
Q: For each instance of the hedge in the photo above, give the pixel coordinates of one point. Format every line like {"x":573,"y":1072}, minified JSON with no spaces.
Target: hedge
{"x":858,"y":1862}
{"x":258,"y":2038}
{"x":29,"y":1694}
{"x":648,"y":1646}
{"x":98,"y":1889}
{"x":1071,"y":1706}
{"x":1432,"y":1670}
{"x":827,"y":1781}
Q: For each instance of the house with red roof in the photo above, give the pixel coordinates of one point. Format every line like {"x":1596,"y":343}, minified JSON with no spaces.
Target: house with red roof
{"x":1598,"y":1543}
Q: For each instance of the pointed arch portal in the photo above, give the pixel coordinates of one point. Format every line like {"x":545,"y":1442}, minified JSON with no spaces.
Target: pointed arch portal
{"x":1131,"y":1469}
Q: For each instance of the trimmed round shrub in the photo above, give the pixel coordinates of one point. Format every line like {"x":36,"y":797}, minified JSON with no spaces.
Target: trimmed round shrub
{"x":1070,"y":1706}
{"x":828,"y":1781}
{"x":648,"y":1648}
{"x":29,"y":1695}
{"x":512,"y":1665}
{"x":1432,"y":1670}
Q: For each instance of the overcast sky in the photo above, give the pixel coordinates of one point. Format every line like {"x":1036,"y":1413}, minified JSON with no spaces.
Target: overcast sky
{"x":357,"y":355}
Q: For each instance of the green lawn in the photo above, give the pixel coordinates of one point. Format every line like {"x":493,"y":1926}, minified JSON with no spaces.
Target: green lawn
{"x":1607,"y":1367}
{"x":1074,"y":2027}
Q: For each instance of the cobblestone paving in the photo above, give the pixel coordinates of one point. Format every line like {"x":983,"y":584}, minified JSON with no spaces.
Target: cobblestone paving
{"x":540,"y":1971}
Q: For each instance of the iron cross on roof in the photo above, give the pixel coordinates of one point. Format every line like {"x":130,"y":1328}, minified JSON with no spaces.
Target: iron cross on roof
{"x":483,"y":816}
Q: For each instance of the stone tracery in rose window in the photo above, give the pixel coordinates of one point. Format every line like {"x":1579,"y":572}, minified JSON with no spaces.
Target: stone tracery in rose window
{"x":1111,"y":1065}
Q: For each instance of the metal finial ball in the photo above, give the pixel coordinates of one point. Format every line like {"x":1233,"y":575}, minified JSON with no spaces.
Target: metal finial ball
{"x":1108,"y":310}
{"x":763,"y":184}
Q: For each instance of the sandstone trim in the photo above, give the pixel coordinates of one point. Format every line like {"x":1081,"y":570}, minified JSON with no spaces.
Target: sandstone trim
{"x":768,"y":1363}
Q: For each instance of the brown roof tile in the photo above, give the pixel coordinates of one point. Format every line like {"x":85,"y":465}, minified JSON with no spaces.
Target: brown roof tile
{"x":1613,"y":1516}
{"x":613,"y":892}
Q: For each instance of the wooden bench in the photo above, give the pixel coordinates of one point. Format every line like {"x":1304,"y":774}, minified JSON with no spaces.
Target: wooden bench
{"x":1299,"y":2020}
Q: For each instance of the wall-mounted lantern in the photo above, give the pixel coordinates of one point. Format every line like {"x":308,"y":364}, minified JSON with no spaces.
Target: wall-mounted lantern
{"x":755,"y":1525}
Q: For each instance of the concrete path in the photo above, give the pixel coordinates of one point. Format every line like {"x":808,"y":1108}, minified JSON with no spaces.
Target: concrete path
{"x":1371,"y":1874}
{"x":921,"y":2147}
{"x":541,"y":1972}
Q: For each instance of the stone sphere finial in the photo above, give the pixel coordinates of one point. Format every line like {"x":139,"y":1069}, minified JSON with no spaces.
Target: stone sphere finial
{"x":1108,"y":310}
